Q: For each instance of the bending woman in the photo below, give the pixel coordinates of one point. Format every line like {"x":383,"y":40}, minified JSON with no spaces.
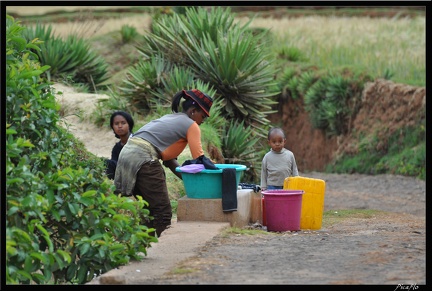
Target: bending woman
{"x":139,"y":171}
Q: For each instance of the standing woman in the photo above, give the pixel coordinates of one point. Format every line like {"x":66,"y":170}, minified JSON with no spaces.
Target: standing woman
{"x":139,"y":171}
{"x":122,"y":125}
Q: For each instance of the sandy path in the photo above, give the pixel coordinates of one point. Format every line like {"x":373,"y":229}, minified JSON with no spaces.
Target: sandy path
{"x":78,"y":108}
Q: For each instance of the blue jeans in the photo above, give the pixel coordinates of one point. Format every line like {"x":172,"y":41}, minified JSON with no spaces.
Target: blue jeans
{"x":270,"y":187}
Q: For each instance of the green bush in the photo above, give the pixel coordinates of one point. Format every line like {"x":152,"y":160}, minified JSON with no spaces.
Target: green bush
{"x":240,"y":147}
{"x":128,"y":33}
{"x":219,"y":52}
{"x":404,"y":154}
{"x":71,"y":59}
{"x":63,"y":221}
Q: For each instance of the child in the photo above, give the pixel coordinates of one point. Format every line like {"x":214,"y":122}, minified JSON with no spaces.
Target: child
{"x":122,"y":125}
{"x":279,"y":163}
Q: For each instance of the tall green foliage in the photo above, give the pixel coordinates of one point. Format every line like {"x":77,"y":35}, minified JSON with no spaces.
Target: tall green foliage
{"x":63,"y":221}
{"x":71,"y":59}
{"x":152,"y":83}
{"x":331,"y":100}
{"x":221,"y":53}
{"x":239,"y":145}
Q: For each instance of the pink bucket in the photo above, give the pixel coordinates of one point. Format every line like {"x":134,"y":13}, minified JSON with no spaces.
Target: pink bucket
{"x":283,"y":209}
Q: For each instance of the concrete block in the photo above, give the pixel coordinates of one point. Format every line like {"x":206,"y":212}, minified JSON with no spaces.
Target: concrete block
{"x":256,"y":208}
{"x":190,"y":209}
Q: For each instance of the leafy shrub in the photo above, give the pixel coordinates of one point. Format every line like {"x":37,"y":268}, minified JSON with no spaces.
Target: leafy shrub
{"x":292,"y":54}
{"x":63,"y":221}
{"x":239,"y":146}
{"x":128,"y":33}
{"x":71,"y":59}
{"x":221,"y":53}
{"x":405,"y":155}
{"x":330,"y":101}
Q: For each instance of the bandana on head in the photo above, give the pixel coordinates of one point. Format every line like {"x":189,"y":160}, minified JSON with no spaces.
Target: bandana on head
{"x":203,"y":100}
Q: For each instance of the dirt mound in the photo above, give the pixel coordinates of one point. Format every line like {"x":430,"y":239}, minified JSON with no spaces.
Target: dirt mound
{"x":385,"y":107}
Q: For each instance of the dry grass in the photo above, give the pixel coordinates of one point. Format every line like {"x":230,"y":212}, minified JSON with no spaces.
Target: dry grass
{"x":85,"y":25}
{"x":373,"y":44}
{"x":105,"y":26}
{"x":41,"y":10}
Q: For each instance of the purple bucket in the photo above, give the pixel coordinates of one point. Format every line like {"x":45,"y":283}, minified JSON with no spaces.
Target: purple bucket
{"x":283,"y":209}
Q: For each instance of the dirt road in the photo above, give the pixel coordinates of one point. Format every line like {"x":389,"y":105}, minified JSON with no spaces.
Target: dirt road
{"x":388,"y":248}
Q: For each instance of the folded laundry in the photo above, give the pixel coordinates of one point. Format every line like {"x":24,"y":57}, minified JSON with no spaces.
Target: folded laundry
{"x":192,"y":168}
{"x":254,"y":187}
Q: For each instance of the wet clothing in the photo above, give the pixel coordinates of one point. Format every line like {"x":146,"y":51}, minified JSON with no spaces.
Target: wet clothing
{"x":139,"y":171}
{"x":276,"y":166}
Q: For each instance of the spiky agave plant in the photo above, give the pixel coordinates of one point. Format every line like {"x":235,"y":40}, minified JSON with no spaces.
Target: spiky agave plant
{"x":239,"y":146}
{"x":222,"y":53}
